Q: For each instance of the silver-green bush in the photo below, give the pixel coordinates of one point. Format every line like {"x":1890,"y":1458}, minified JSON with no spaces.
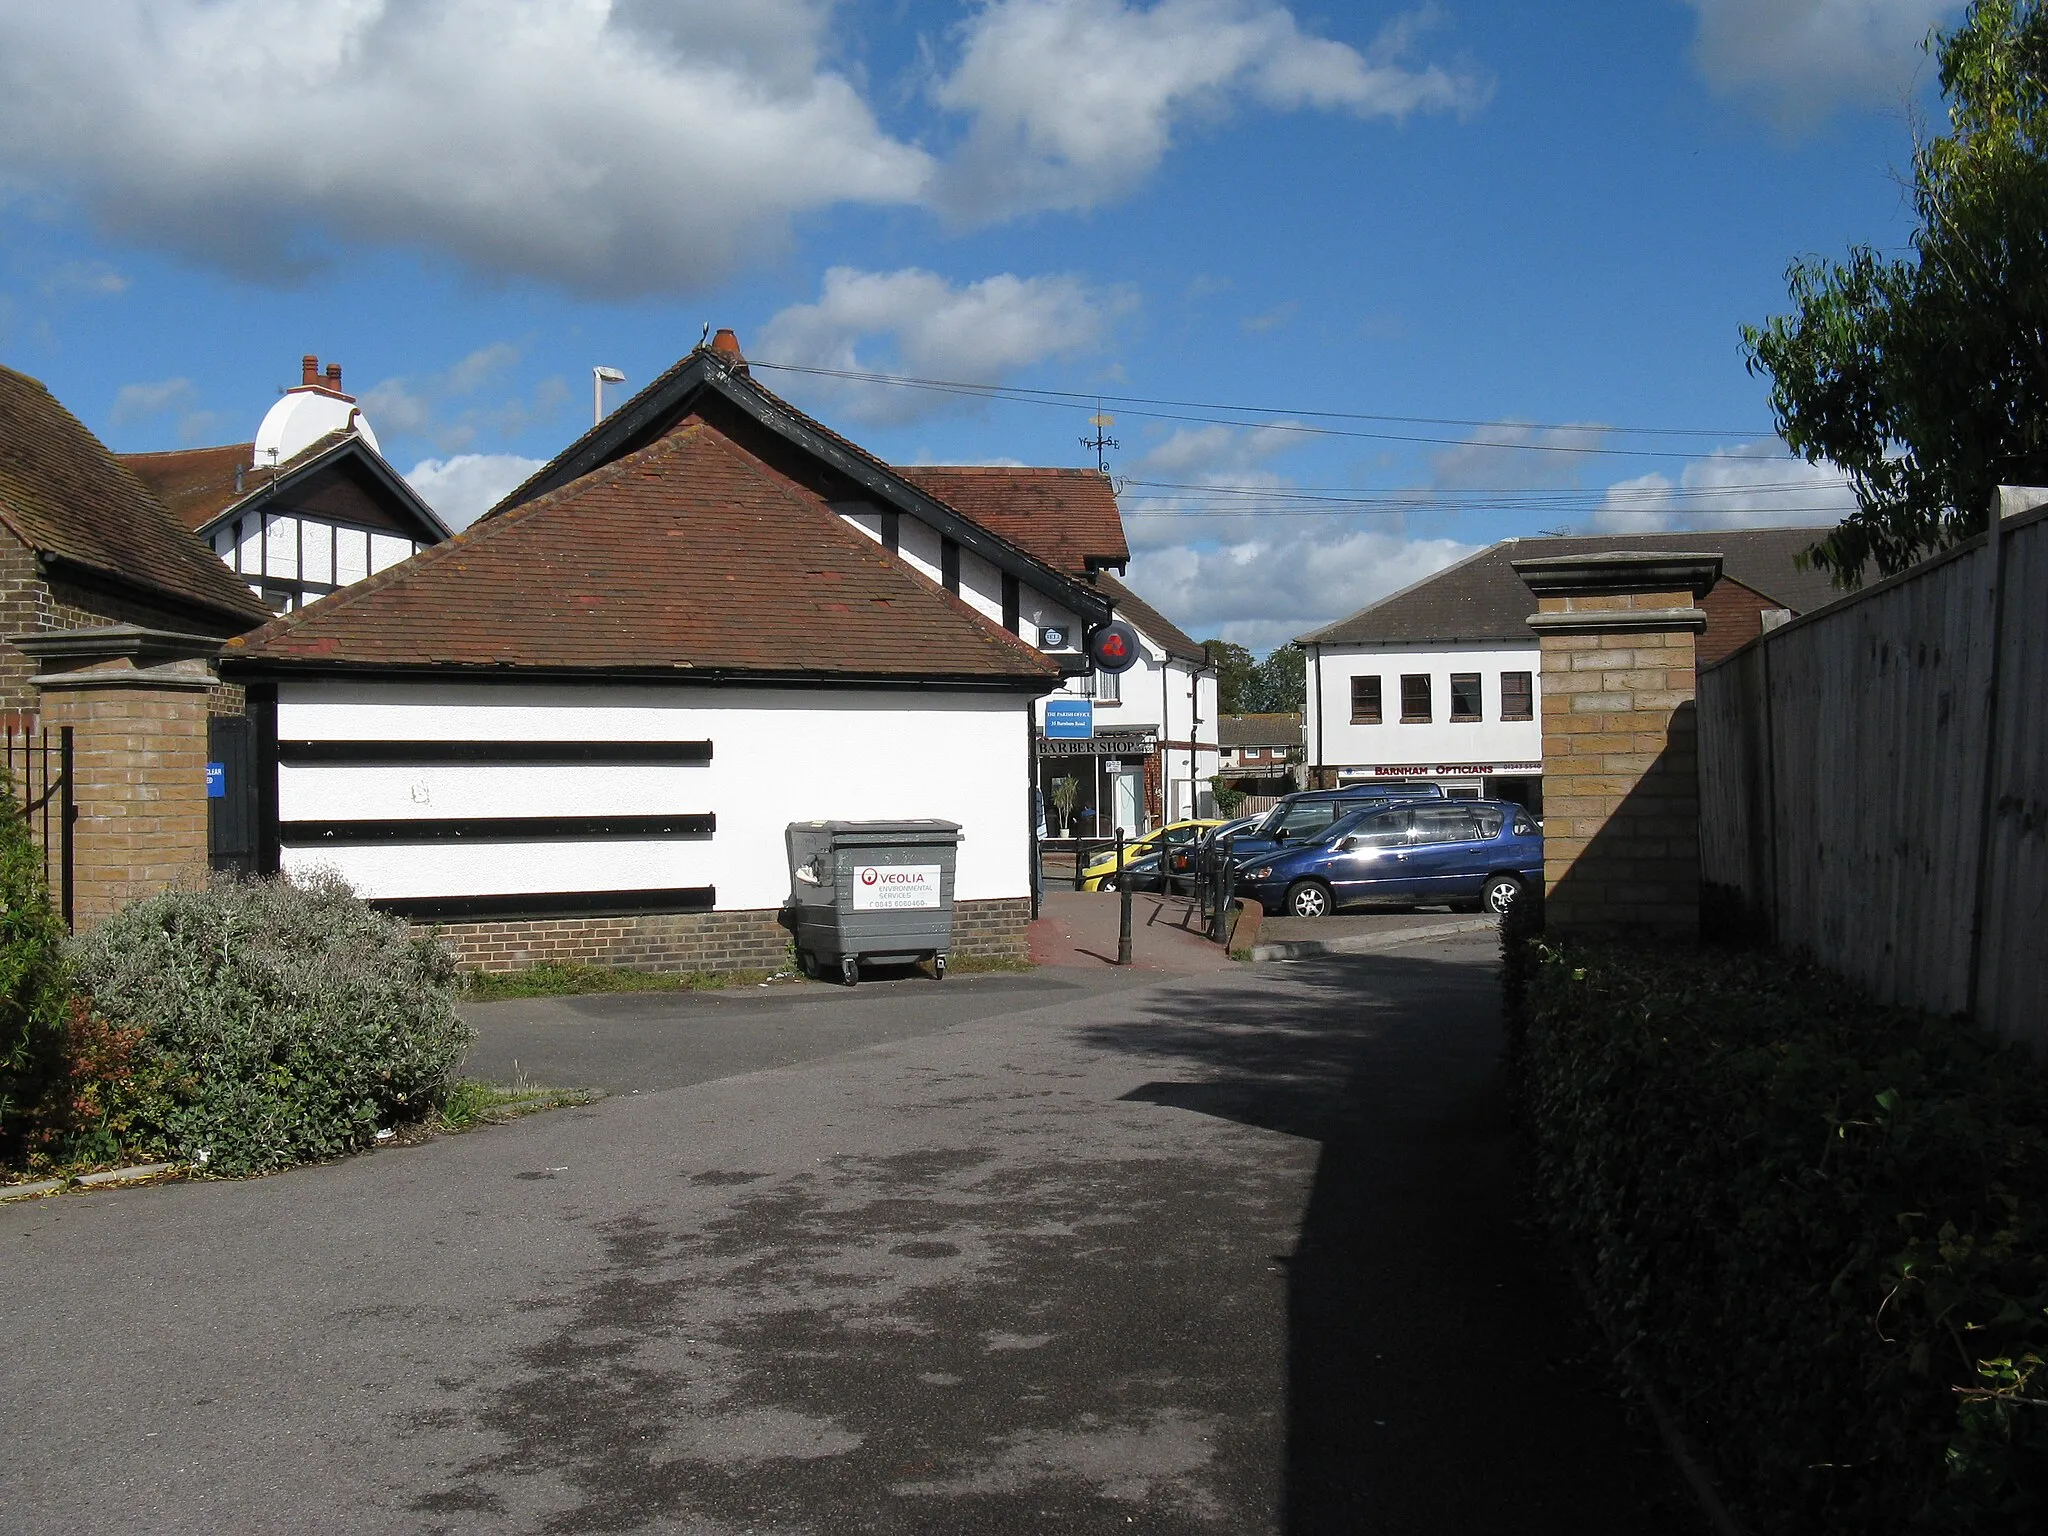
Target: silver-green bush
{"x":289,"y":1021}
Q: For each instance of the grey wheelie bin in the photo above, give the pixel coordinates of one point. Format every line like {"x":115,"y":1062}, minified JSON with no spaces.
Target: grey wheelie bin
{"x":871,"y":891}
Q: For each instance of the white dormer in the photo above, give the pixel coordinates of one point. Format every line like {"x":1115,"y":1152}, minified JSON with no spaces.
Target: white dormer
{"x":306,"y":413}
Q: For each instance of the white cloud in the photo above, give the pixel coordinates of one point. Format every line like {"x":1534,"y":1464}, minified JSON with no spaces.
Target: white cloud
{"x":613,"y":147}
{"x":914,"y":321}
{"x":140,"y":402}
{"x":468,"y":485}
{"x":1517,"y":456}
{"x":1798,"y":60}
{"x":1258,"y":576}
{"x":1074,"y":102}
{"x":433,"y":405}
{"x":1753,"y":485}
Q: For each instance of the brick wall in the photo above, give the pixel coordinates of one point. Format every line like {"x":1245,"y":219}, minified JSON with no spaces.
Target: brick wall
{"x":140,"y":758}
{"x":29,"y":604}
{"x":1620,"y":762}
{"x":1735,"y":616}
{"x":697,"y":941}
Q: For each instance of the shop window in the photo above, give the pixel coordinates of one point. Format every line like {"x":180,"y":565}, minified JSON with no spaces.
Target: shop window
{"x":1465,"y":696}
{"x":1365,"y":701}
{"x":1415,"y":707}
{"x":1518,"y":695}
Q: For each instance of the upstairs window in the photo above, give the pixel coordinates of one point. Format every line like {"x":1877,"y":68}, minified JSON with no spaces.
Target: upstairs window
{"x":1465,"y":696}
{"x":1365,"y":701}
{"x":1518,"y":695}
{"x":1415,"y":707}
{"x":1109,"y":687}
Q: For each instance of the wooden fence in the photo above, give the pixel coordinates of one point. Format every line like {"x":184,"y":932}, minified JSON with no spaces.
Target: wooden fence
{"x":1874,"y":784}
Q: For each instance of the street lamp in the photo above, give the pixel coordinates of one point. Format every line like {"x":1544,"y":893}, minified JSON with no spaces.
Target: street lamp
{"x":599,"y":377}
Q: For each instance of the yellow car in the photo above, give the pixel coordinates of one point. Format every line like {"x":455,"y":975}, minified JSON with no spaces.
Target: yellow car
{"x":1100,"y":873}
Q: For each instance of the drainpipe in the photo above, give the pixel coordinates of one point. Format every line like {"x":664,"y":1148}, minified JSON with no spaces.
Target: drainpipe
{"x":1315,"y":661}
{"x":1165,"y":735}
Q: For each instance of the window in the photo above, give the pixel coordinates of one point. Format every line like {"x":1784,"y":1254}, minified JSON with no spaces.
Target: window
{"x":1305,"y":817}
{"x":1365,"y":701}
{"x":1465,"y":696}
{"x":1518,"y":696}
{"x":1415,"y":698}
{"x":1443,"y":824}
{"x":1109,"y":687}
{"x":1384,"y":829}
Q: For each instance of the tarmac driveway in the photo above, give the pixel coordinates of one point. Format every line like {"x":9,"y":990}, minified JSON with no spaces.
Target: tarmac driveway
{"x":1219,"y":1254}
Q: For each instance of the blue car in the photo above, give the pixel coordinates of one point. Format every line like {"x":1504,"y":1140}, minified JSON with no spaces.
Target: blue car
{"x":1307,"y":815}
{"x":1480,"y":855}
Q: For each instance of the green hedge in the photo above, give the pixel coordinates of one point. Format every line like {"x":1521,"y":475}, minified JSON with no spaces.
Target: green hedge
{"x":1822,"y":1224}
{"x":279,"y":1023}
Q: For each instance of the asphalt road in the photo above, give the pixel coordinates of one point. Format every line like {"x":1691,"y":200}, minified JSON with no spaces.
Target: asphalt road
{"x":1220,"y":1254}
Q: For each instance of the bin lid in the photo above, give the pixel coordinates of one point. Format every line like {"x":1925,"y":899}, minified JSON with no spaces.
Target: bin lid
{"x":851,"y":833}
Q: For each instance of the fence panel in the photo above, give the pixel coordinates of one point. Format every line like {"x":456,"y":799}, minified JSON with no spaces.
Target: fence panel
{"x":1844,"y":762}
{"x":39,"y":763}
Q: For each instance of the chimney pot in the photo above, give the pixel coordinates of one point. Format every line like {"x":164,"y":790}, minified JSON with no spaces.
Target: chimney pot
{"x":726,"y":344}
{"x":309,"y":369}
{"x":334,"y":377}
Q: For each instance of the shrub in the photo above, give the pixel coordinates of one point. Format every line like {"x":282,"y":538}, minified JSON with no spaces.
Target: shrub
{"x":282,"y":1022}
{"x":1822,"y":1224}
{"x":35,"y":991}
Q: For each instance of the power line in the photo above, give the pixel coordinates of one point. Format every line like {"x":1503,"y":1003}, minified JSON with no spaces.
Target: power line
{"x":1199,"y":491}
{"x":1831,"y":513}
{"x":1137,"y":405}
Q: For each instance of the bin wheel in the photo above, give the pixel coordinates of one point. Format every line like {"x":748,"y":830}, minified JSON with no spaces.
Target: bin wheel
{"x":938,"y":967}
{"x":849,"y":970}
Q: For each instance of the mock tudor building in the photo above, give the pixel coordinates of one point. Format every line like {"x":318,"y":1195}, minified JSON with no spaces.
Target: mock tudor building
{"x":84,"y":544}
{"x":578,"y":729}
{"x":308,"y":507}
{"x":1442,"y":680}
{"x":1151,"y":752}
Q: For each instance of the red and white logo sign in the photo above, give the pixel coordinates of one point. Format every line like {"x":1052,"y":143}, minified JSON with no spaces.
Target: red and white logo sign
{"x":894,"y":887}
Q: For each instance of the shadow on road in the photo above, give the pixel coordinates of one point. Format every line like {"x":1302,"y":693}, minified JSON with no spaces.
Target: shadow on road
{"x":1440,"y":1377}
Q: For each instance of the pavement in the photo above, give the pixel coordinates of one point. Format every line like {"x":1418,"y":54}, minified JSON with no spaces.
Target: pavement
{"x":1233,"y":1252}
{"x":1080,"y":930}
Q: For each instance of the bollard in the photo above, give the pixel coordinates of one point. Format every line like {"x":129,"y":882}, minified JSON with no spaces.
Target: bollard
{"x":1123,"y":893}
{"x":1080,"y":859}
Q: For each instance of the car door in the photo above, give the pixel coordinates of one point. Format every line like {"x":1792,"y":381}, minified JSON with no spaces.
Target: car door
{"x":1370,"y":862}
{"x":1448,"y":851}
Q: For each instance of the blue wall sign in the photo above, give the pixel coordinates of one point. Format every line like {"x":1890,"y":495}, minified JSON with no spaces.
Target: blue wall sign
{"x":1069,"y":719}
{"x":216,"y":781}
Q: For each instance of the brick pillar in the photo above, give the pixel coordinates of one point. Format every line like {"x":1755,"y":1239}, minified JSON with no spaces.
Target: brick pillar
{"x":1621,"y":844}
{"x":136,"y":700}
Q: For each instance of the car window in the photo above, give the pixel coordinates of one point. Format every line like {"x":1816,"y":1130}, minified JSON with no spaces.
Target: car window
{"x":1489,"y":819}
{"x":1524,"y":827}
{"x":1308,"y":816}
{"x":1382,"y":829}
{"x":1443,"y":824}
{"x":1179,"y":835}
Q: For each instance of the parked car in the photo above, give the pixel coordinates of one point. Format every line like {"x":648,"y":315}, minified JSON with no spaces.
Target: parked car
{"x":1103,"y":864}
{"x":1477,"y":855}
{"x":1145,"y":874}
{"x":1309,"y":813}
{"x":1180,"y":861}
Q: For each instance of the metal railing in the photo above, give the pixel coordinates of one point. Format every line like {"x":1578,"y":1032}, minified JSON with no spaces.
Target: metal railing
{"x":41,"y":774}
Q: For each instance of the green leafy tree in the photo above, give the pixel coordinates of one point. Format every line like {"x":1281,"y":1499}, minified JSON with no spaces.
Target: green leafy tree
{"x":1280,"y":685}
{"x":1235,"y":670}
{"x":35,"y":992}
{"x":1926,"y":378}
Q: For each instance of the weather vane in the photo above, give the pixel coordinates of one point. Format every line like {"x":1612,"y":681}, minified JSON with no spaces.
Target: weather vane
{"x":1101,"y":442}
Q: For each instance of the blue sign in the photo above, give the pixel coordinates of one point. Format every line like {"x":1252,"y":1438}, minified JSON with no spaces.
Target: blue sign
{"x":216,"y":781}
{"x":1069,"y":719}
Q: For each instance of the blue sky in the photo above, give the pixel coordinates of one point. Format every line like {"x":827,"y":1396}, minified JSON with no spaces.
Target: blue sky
{"x":1553,"y":219}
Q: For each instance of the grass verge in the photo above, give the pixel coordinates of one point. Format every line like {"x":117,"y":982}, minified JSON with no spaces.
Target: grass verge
{"x":571,"y":980}
{"x":471,"y":1102}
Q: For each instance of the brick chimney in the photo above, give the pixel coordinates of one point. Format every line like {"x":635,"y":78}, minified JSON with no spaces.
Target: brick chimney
{"x":309,"y":372}
{"x":334,"y":377}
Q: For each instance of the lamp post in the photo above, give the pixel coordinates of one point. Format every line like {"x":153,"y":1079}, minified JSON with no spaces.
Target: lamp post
{"x":599,"y":377}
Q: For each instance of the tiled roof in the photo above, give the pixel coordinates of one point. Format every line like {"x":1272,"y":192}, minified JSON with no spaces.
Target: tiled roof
{"x":689,"y":554}
{"x":1068,"y":518}
{"x":1151,"y":623}
{"x":65,"y":496}
{"x":1481,"y":597}
{"x":1277,"y":730}
{"x":196,"y":484}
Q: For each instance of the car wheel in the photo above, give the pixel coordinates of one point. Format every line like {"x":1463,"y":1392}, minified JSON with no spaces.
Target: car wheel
{"x":1311,"y":898}
{"x":1502,"y":892}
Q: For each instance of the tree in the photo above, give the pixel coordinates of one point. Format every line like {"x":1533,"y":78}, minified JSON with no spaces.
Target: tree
{"x":1926,"y":379}
{"x":1235,"y":667}
{"x":1281,"y":683}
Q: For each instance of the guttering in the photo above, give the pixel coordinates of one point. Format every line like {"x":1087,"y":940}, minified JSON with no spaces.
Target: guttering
{"x":268,"y":670}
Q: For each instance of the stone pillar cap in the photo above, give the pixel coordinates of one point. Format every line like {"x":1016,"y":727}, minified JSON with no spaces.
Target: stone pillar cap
{"x":1621,"y":570}
{"x":132,"y":643}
